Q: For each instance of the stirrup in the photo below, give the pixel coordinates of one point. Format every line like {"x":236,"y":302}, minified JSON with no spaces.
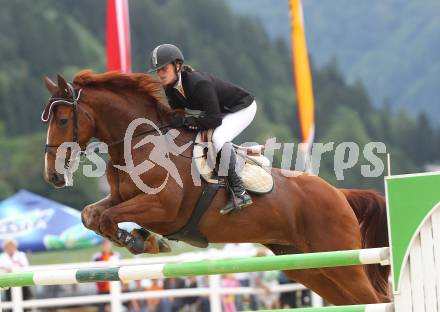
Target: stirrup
{"x":232,"y":205}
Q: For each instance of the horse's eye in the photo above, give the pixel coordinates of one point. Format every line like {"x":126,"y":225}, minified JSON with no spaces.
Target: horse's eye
{"x":63,"y":122}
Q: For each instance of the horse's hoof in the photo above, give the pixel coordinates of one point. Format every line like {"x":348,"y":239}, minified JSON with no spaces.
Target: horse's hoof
{"x":134,"y":244}
{"x":163,"y":245}
{"x":140,"y":233}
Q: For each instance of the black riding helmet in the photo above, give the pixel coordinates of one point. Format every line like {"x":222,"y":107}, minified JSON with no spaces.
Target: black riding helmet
{"x":164,"y":54}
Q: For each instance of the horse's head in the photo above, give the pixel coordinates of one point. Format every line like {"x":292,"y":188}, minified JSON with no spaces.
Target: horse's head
{"x":67,"y":122}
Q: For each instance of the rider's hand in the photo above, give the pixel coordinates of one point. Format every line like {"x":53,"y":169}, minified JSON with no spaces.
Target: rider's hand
{"x":191,"y":123}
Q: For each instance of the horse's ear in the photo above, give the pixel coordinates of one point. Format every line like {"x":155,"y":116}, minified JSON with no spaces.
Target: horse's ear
{"x":50,"y":85}
{"x":62,"y":85}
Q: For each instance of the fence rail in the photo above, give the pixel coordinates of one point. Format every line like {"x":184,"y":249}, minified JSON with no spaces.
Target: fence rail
{"x":195,"y":268}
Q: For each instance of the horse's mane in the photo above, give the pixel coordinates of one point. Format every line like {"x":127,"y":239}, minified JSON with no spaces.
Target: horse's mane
{"x":117,"y":81}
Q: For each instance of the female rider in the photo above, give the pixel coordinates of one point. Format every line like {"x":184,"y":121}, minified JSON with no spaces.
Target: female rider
{"x":226,"y":108}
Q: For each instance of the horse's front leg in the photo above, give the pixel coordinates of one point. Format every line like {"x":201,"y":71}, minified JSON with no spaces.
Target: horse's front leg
{"x":143,"y":241}
{"x":139,"y":209}
{"x":91,"y":215}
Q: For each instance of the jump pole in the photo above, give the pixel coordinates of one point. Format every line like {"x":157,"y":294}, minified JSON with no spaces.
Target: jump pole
{"x":138,"y":272}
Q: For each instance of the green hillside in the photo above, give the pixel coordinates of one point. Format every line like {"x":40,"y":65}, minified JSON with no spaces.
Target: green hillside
{"x":390,"y":45}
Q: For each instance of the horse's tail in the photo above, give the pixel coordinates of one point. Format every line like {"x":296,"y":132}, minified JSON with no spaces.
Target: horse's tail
{"x":370,"y":209}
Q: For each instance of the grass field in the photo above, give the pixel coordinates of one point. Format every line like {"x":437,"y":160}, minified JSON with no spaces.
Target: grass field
{"x":85,"y":254}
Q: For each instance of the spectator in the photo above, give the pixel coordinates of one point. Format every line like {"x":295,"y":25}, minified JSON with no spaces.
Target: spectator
{"x":271,"y":299}
{"x":12,"y":260}
{"x":106,"y":254}
{"x":172,"y":304}
{"x":306,"y":298}
{"x":287,"y":299}
{"x":203,"y":282}
{"x":228,"y":300}
{"x":257,"y":281}
{"x":241,"y":250}
{"x":132,"y":305}
{"x":154,"y":303}
{"x":191,"y":303}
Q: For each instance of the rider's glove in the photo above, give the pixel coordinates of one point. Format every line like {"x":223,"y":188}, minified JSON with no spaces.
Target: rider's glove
{"x":191,"y":123}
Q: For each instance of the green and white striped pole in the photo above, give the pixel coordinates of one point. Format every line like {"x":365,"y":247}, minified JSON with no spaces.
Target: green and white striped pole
{"x":139,"y":272}
{"x":380,"y":307}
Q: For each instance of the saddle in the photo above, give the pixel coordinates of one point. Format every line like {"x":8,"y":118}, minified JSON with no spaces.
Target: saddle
{"x":255,"y":174}
{"x":254,"y":171}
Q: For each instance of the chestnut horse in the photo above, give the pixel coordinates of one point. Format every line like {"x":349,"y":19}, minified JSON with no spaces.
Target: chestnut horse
{"x":302,"y":214}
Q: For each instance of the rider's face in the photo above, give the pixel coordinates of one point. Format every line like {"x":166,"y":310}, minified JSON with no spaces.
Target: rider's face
{"x":166,"y":74}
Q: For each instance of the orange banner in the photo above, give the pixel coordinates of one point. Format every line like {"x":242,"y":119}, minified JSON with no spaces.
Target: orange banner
{"x":301,"y":68}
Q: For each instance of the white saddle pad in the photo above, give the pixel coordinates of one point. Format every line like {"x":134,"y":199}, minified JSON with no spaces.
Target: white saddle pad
{"x":255,"y":172}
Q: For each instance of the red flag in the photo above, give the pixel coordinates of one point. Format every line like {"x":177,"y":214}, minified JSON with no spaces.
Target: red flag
{"x":118,"y":36}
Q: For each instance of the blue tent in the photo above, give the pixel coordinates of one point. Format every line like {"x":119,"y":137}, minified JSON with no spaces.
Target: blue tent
{"x":40,"y":224}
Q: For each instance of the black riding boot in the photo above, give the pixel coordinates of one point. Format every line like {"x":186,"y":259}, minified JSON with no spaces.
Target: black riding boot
{"x":239,"y":197}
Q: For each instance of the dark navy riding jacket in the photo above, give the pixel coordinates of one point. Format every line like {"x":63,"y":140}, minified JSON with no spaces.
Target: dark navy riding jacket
{"x":213,"y":96}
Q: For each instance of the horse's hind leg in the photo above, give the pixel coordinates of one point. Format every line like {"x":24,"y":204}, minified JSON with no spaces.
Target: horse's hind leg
{"x":341,"y":232}
{"x":354,"y":280}
{"x":322,"y":285}
{"x":313,"y":279}
{"x":329,"y":224}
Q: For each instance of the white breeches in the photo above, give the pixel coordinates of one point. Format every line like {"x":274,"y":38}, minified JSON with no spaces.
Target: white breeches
{"x":232,"y":125}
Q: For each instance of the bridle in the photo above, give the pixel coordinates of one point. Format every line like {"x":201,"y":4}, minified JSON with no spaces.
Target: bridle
{"x":73,"y":103}
{"x":54,"y":101}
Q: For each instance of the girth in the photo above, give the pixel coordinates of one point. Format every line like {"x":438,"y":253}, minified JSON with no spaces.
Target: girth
{"x":190,"y":233}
